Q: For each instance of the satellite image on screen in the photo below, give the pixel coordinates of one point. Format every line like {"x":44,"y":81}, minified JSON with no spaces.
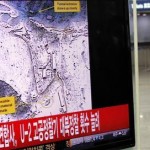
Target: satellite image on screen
{"x":44,"y":59}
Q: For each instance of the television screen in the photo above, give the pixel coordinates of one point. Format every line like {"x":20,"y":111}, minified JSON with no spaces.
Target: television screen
{"x":65,"y":75}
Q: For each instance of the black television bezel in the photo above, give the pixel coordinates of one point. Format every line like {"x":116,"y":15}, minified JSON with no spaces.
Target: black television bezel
{"x":128,"y":141}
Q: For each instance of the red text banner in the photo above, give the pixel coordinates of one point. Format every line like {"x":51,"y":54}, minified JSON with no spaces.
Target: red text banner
{"x":20,"y":134}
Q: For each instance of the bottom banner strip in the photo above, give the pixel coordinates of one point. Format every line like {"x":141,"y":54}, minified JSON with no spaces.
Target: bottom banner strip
{"x":55,"y":128}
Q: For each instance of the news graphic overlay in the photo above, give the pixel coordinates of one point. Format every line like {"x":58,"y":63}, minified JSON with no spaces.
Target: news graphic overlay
{"x":31,"y":132}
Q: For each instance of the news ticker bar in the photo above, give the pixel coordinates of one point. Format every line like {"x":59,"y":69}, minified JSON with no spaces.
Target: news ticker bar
{"x":86,"y":142}
{"x":31,"y":132}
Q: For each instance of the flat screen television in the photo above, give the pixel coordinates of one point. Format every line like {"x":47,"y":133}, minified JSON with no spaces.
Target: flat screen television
{"x":65,"y":75}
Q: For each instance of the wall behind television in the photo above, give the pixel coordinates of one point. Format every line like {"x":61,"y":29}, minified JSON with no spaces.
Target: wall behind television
{"x":143,"y":28}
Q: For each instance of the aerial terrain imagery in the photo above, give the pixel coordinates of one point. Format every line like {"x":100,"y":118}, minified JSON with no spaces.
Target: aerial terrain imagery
{"x":44,"y":59}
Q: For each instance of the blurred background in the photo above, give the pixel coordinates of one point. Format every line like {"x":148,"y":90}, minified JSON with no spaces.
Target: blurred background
{"x":143,"y":26}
